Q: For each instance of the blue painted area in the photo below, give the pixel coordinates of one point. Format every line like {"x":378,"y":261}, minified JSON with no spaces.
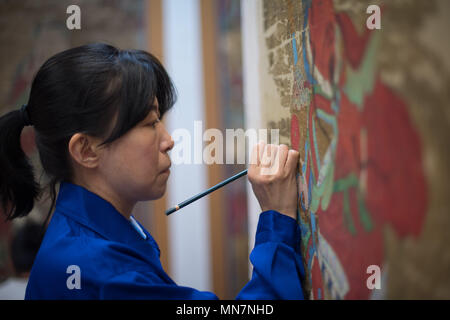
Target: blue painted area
{"x":319,"y":294}
{"x":313,"y":222}
{"x":294,"y":49}
{"x":337,"y":101}
{"x":304,"y":230}
{"x":313,"y":248}
{"x":306,"y":157}
{"x":311,"y":256}
{"x":310,"y":186}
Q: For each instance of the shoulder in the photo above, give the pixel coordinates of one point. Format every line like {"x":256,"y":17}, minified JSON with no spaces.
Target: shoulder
{"x":70,"y":250}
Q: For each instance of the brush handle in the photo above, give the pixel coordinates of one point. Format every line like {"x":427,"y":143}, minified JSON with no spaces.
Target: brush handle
{"x":201,"y":195}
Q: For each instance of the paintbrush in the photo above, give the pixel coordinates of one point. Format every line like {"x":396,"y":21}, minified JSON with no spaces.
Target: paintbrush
{"x":204,"y":193}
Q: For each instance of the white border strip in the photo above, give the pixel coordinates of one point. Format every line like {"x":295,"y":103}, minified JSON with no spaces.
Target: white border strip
{"x":250,"y":13}
{"x":188,"y":228}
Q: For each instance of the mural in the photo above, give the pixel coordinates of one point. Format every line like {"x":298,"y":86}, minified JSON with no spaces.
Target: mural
{"x":366,"y":109}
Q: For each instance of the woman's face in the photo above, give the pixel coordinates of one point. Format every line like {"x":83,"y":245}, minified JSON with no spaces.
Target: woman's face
{"x":136,"y":166}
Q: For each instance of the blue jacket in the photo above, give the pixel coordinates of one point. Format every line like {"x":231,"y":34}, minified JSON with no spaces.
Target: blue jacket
{"x":91,"y":251}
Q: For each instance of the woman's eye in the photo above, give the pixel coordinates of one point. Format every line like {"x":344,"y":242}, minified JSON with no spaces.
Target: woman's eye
{"x":153,"y":124}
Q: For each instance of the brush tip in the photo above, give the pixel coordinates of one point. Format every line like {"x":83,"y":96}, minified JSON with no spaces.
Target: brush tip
{"x":172,"y":210}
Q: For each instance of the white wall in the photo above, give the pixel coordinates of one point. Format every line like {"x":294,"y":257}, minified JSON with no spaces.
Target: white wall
{"x":250,"y":12}
{"x":189,"y":227}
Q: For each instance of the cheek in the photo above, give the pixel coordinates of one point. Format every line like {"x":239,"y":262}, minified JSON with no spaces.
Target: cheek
{"x":132,"y":162}
{"x":148,"y":161}
{"x":134,"y":171}
{"x":141,"y":161}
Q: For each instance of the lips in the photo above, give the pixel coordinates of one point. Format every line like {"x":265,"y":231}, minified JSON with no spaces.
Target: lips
{"x":167,"y":170}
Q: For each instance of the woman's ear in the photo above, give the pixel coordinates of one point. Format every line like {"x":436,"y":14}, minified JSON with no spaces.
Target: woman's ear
{"x":84,"y":150}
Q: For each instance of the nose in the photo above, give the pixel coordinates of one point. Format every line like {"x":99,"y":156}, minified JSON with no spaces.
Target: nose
{"x":167,"y":142}
{"x":170,"y":144}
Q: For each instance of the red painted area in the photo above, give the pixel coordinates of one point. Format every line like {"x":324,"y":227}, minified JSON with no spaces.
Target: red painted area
{"x":320,"y":102}
{"x":348,"y":147}
{"x":355,"y":44}
{"x":317,"y":281}
{"x":396,"y":181}
{"x":322,"y":23}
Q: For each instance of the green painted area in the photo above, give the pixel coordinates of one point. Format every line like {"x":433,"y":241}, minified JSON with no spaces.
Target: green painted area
{"x":348,"y":220}
{"x":360,"y":82}
{"x":316,"y":146}
{"x":305,"y":239}
{"x":317,"y":89}
{"x":328,"y":187}
{"x":322,"y":194}
{"x":344,"y":185}
{"x":364,"y":214}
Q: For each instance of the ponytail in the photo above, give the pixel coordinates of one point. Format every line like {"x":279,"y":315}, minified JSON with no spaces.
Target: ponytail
{"x":18,"y":188}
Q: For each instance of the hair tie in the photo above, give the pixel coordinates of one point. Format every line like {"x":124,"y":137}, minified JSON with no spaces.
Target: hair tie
{"x":25,"y":118}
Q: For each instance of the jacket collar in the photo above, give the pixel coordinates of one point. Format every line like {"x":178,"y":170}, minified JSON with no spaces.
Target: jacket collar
{"x":97,"y":214}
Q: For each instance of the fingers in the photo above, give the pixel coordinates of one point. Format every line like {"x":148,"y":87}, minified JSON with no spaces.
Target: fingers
{"x":273,"y":159}
{"x":257,"y":153}
{"x":261,"y":147}
{"x":292,"y":161}
{"x":283,"y":151}
{"x":269,"y":155}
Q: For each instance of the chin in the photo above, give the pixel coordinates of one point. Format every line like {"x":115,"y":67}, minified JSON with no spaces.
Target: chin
{"x":157,"y":194}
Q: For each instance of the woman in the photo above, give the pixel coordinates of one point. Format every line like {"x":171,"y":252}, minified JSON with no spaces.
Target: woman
{"x":96,"y":112}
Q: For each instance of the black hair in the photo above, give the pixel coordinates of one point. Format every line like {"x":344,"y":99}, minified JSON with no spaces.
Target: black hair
{"x":94,"y":89}
{"x":25,"y":244}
